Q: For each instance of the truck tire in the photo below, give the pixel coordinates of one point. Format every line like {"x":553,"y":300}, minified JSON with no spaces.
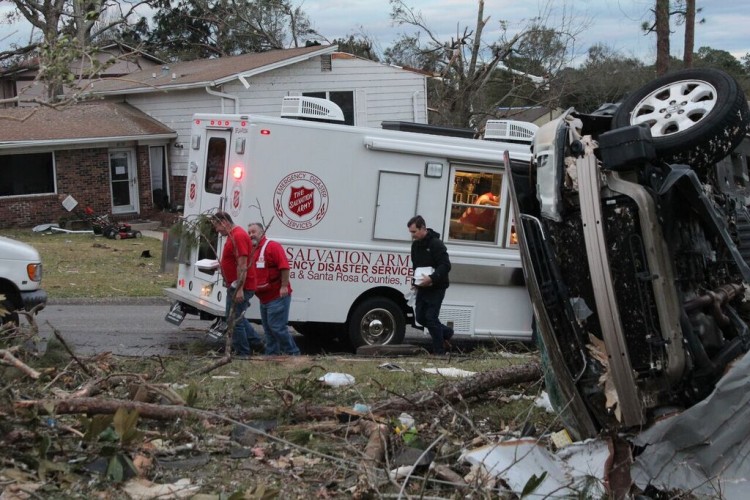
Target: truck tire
{"x":11,"y":316}
{"x":696,"y":116}
{"x":376,"y":321}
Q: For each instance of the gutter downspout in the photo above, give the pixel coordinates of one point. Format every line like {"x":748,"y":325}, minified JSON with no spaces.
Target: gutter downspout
{"x":414,"y":110}
{"x":234,"y":98}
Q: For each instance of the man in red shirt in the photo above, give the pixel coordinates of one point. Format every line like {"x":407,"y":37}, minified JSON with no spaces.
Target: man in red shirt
{"x":239,"y":279}
{"x":271,"y":268}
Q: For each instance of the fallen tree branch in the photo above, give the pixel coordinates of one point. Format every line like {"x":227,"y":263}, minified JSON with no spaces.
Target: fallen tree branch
{"x":70,"y":352}
{"x":93,"y":406}
{"x":8,"y":359}
{"x":467,"y":388}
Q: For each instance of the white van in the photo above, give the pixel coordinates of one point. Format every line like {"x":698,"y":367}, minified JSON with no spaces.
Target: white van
{"x":338,"y":199}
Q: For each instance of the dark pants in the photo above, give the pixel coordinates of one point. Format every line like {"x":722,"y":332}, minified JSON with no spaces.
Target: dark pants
{"x":243,"y":335}
{"x":427,"y":310}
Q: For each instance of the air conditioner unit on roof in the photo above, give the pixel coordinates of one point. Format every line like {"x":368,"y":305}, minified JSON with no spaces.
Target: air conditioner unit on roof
{"x":311,"y":108}
{"x":509,"y":130}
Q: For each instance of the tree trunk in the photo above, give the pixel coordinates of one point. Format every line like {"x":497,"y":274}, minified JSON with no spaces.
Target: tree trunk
{"x":449,"y":393}
{"x":662,"y":37}
{"x":689,"y":33}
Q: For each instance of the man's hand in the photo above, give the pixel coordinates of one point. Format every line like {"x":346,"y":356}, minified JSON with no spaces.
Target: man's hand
{"x":239,"y":295}
{"x":284,"y":291}
{"x":426,"y":281}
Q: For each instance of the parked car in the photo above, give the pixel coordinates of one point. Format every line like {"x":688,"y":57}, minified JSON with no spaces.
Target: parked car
{"x":20,"y":279}
{"x":635,"y":238}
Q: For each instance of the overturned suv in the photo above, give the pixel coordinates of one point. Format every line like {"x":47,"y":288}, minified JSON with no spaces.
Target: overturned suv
{"x":635,"y":237}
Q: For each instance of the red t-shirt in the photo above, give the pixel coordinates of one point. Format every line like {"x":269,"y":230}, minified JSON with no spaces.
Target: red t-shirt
{"x":238,"y":244}
{"x":267,"y":265}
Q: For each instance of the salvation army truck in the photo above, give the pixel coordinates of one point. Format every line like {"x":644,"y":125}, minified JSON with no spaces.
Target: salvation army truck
{"x":338,"y":199}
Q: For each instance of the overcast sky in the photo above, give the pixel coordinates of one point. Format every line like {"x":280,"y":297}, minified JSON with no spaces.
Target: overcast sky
{"x":616,"y":23}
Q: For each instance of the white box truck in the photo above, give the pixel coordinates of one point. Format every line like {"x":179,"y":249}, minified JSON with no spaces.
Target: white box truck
{"x":338,"y":199}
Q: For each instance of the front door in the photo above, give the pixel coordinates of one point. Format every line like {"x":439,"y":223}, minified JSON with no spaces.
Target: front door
{"x":123,"y":181}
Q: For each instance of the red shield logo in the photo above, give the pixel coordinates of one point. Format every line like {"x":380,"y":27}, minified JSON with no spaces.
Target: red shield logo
{"x":192,"y":191}
{"x":301,"y":200}
{"x":236,"y":199}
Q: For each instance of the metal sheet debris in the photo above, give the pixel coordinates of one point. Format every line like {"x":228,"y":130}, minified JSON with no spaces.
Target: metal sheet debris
{"x":704,"y":449}
{"x":577,"y":469}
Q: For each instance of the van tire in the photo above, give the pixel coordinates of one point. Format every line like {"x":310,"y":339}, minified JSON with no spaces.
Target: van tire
{"x":376,"y":321}
{"x":718,"y":118}
{"x":12,"y":316}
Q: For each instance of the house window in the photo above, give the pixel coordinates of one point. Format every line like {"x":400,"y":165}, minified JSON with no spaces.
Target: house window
{"x":476,"y":211}
{"x":22,"y":175}
{"x":344,"y":100}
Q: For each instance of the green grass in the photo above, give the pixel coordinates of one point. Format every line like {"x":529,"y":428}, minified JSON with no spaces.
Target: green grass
{"x":89,"y":266}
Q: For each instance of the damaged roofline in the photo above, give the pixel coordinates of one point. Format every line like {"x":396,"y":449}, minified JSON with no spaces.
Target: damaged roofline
{"x":242,"y":77}
{"x":247,"y":74}
{"x":87,"y":140}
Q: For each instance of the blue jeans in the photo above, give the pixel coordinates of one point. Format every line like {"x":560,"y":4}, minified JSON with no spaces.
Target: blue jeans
{"x":275,"y":316}
{"x":243,"y":334}
{"x":426,"y":312}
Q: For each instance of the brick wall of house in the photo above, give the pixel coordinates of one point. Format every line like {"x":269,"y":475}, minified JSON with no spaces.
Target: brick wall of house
{"x":83,"y":174}
{"x":177,"y":187}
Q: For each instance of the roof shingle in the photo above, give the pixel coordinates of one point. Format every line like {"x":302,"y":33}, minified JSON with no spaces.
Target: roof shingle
{"x":89,"y":120}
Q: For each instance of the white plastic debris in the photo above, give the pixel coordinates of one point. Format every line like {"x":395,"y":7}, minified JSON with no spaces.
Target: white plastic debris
{"x":567,"y":473}
{"x":542,"y":401}
{"x":449,"y":372}
{"x":406,"y":420}
{"x":143,"y":489}
{"x":411,"y":298}
{"x":335,"y":379}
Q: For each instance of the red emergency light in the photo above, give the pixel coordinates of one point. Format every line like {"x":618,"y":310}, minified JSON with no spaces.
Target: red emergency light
{"x":265,"y":131}
{"x":237,"y":172}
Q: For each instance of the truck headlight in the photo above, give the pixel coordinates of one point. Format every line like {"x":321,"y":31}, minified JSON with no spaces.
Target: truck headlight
{"x":34,"y":271}
{"x":206,"y":290}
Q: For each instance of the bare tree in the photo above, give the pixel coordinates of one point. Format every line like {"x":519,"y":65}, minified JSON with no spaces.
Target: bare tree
{"x":66,"y":30}
{"x":687,"y":57}
{"x":465,"y":64}
{"x":662,"y":36}
{"x":684,"y":11}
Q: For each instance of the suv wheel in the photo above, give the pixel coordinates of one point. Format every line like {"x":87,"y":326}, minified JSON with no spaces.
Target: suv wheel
{"x":696,"y":116}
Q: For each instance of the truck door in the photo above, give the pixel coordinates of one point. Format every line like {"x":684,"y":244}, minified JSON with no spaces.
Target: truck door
{"x":213,"y":196}
{"x":215,"y":173}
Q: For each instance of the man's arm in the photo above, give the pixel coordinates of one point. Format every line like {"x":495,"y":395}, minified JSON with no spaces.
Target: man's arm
{"x":284,"y":290}
{"x":442,"y":262}
{"x":239,"y":294}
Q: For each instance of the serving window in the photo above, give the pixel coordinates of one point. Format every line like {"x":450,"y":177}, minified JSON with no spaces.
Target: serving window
{"x":477,"y":208}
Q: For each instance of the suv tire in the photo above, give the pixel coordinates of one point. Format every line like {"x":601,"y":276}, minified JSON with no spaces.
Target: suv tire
{"x":696,"y":116}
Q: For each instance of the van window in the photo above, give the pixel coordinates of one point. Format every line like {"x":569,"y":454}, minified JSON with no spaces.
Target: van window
{"x":476,"y":208}
{"x":215,"y":165}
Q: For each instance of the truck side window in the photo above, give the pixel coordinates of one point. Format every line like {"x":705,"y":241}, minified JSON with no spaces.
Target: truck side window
{"x":475,"y":209}
{"x":215,"y":158}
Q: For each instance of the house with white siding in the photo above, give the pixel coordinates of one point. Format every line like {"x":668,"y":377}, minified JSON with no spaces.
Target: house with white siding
{"x":368,"y":93}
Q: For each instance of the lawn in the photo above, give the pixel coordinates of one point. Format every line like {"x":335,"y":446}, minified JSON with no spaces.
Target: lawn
{"x":90,"y":266}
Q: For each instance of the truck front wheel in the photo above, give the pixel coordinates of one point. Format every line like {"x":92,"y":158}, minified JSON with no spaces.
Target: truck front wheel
{"x":376,"y":321}
{"x":10,"y":316}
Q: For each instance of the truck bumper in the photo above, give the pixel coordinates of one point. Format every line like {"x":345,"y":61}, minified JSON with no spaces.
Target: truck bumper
{"x":190,"y":300}
{"x":33,"y":299}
